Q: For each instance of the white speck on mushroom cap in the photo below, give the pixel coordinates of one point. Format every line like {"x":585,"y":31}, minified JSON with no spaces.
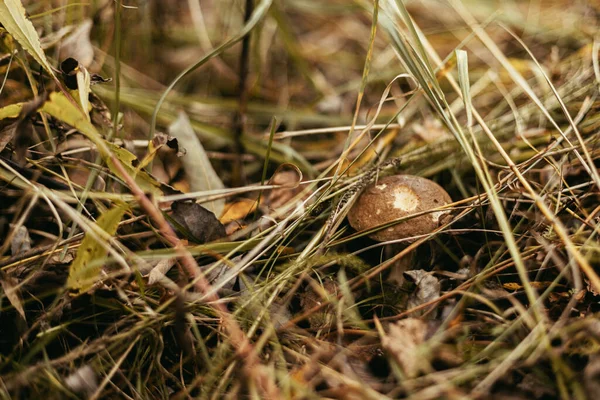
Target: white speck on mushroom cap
{"x":381,"y":187}
{"x":405,"y":199}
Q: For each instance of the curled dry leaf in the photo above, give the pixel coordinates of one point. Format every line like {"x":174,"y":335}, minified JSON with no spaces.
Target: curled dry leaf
{"x":78,"y":80}
{"x":197,"y":221}
{"x":289,"y":180}
{"x":403,"y":341}
{"x":428,"y":289}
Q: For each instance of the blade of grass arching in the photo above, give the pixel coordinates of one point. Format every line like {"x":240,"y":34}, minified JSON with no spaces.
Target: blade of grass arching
{"x":548,"y":214}
{"x":519,"y":80}
{"x":591,"y":167}
{"x":416,"y":39}
{"x":255,"y":18}
{"x":558,"y":226}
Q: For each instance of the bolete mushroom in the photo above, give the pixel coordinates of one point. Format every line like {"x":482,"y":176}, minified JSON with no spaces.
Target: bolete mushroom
{"x":398,"y":196}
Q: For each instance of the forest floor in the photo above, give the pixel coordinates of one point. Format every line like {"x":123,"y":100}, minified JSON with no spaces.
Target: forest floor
{"x":183,"y":188}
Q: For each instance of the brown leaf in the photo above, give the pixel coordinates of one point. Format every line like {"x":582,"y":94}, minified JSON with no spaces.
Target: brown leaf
{"x":197,"y":221}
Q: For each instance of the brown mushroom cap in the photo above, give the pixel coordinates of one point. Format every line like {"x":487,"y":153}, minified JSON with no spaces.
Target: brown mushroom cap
{"x":395,"y":197}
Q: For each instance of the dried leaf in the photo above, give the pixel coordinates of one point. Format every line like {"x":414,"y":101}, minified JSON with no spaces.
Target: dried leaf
{"x":237,"y":210}
{"x":403,"y":341}
{"x":201,"y":174}
{"x":290,"y":182}
{"x":12,"y":17}
{"x":428,"y":289}
{"x":158,"y":141}
{"x":21,"y":242}
{"x":82,"y":275}
{"x":199,"y":222}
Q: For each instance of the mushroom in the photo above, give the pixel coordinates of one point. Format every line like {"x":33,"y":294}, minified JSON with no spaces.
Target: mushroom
{"x":395,"y":197}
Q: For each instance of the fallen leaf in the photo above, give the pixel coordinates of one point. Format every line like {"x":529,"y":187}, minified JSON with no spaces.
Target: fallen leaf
{"x":11,"y":111}
{"x":428,"y":289}
{"x":200,"y":223}
{"x":159,"y":141}
{"x":289,"y":180}
{"x":403,"y":341}
{"x":237,"y":210}
{"x":21,"y":242}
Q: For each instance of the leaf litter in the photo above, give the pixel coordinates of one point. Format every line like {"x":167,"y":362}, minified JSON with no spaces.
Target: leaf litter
{"x":134,"y":267}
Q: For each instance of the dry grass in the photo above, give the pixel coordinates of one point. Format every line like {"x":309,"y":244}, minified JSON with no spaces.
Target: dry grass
{"x":498,"y":103}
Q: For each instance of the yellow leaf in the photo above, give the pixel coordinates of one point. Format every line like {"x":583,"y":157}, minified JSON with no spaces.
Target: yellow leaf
{"x":238,"y":210}
{"x":11,"y":111}
{"x":12,"y":16}
{"x":83,"y":274}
